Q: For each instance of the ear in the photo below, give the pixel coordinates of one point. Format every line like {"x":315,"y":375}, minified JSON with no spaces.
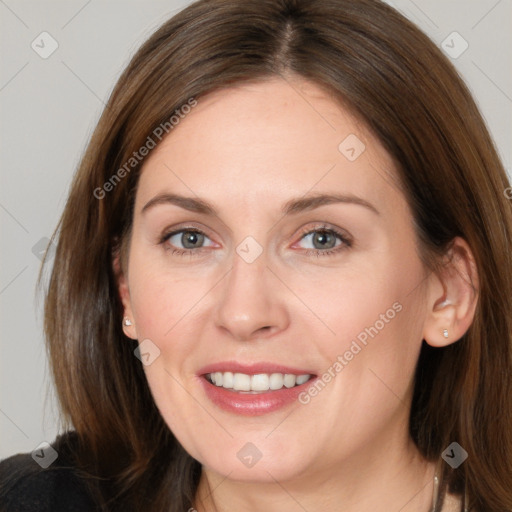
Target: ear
{"x":452,"y":296}
{"x":124,"y":294}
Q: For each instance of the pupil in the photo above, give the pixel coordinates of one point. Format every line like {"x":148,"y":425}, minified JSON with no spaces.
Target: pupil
{"x":323,"y":237}
{"x":190,"y":238}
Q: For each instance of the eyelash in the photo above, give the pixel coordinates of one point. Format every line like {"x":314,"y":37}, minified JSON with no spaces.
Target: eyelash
{"x":346,"y":241}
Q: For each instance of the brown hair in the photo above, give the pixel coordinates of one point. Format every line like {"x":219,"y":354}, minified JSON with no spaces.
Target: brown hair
{"x":399,"y":83}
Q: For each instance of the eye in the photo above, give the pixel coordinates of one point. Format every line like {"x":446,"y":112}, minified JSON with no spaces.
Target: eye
{"x":190,"y":239}
{"x":325,"y":240}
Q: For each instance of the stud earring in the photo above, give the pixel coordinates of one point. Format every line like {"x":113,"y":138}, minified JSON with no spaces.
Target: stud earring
{"x":127,"y":321}
{"x":445,"y":333}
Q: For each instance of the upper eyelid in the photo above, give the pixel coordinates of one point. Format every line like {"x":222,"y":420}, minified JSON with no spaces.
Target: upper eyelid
{"x":322,"y":226}
{"x":325,"y":227}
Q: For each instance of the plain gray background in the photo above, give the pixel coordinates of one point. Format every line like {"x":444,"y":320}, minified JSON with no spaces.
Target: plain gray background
{"x":49,"y":107}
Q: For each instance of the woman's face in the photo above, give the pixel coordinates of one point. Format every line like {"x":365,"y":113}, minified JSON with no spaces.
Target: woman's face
{"x":303,"y":266}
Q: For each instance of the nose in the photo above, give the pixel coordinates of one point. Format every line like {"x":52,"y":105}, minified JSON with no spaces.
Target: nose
{"x":253,"y":301}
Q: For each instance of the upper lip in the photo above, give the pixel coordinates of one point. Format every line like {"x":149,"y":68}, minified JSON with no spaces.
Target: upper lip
{"x":252,"y":368}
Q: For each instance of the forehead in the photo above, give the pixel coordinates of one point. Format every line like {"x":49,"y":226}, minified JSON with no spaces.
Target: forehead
{"x":268,"y":140}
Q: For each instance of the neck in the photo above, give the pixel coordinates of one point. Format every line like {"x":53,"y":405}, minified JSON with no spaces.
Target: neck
{"x":391,"y":479}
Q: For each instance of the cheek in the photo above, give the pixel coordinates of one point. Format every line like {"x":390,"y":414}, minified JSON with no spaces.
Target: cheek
{"x":375,"y":317}
{"x":380,"y":347}
{"x":371,"y":299}
{"x":163,"y":300}
{"x":163,"y":308}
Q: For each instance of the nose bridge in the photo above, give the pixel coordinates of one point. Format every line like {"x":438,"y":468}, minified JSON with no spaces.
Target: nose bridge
{"x":250,"y":302}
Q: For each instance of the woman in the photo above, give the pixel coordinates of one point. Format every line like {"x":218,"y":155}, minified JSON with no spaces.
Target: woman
{"x":204,"y":354}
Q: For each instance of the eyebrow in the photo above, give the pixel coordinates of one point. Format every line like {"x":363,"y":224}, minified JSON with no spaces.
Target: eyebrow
{"x":293,"y":206}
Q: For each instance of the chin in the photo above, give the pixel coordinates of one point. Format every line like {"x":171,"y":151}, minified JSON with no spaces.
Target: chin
{"x":261,"y":461}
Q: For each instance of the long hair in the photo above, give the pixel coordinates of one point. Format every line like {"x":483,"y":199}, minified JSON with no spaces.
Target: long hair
{"x":383,"y":68}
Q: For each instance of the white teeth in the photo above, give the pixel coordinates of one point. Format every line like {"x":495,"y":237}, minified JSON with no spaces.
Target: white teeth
{"x":227,"y":380}
{"x":259,"y":382}
{"x":241,"y":382}
{"x":289,"y":380}
{"x":301,"y":379}
{"x":276,"y":381}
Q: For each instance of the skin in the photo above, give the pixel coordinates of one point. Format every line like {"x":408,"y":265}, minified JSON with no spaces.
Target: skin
{"x":247,"y":151}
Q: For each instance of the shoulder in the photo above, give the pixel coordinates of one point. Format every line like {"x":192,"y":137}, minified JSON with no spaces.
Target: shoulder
{"x":25,"y":485}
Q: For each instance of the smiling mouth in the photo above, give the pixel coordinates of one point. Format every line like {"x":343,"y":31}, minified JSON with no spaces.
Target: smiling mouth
{"x":257,"y":383}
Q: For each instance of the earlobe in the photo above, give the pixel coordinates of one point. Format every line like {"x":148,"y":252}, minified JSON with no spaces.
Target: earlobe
{"x":452,"y":297}
{"x":124,"y":294}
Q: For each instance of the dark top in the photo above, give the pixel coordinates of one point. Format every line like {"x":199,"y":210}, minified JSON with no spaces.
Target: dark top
{"x":26,"y":486}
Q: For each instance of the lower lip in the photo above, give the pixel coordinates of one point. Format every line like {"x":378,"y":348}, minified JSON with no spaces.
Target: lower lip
{"x":252,"y":404}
